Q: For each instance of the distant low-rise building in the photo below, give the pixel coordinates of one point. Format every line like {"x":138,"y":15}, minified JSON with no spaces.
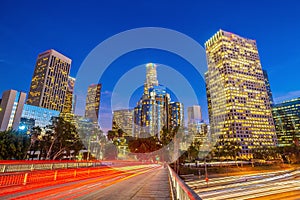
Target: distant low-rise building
{"x":123,"y":119}
{"x":26,"y":125}
{"x":287,"y":122}
{"x":41,"y":116}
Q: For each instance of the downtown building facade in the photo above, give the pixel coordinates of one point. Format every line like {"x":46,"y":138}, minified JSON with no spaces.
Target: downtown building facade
{"x":196,"y":124}
{"x":123,"y":119}
{"x":176,"y":114}
{"x":70,"y":102}
{"x":42,"y":117}
{"x":238,"y":103}
{"x":197,"y":127}
{"x":287,"y":122}
{"x":194,"y":113}
{"x":47,"y":95}
{"x":155,"y":110}
{"x":194,"y":119}
{"x":92,"y":105}
{"x":50,"y":81}
{"x":70,"y":99}
{"x":17,"y":115}
{"x":12,"y":104}
{"x":268,"y":87}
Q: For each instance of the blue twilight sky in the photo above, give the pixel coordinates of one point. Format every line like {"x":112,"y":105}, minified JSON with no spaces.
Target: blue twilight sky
{"x":74,"y":28}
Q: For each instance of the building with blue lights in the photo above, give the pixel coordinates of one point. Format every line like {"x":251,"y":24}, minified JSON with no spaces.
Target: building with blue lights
{"x":154,"y":111}
{"x":286,"y":116}
{"x":42,"y":116}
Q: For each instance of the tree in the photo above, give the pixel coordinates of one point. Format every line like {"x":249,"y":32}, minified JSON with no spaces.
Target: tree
{"x":144,"y":145}
{"x":228,"y":149}
{"x":265,"y":153}
{"x":59,"y":138}
{"x":13,"y":145}
{"x":111,"y":135}
{"x":120,"y":132}
{"x":34,"y":140}
{"x":192,"y":152}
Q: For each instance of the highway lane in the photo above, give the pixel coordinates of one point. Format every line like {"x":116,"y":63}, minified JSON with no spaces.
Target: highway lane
{"x":282,"y":196}
{"x":248,"y":186}
{"x":153,"y":185}
{"x":132,"y":182}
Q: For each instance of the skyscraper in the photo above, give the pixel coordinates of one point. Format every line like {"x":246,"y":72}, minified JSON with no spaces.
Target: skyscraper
{"x":11,"y":109}
{"x":194,"y":119}
{"x":70,"y":102}
{"x":176,"y":115}
{"x":287,"y":122}
{"x":238,"y":102}
{"x":268,"y":87}
{"x":151,"y":112}
{"x":92,"y":104}
{"x":151,"y":77}
{"x":194,"y":114}
{"x":50,"y":80}
{"x":154,"y":111}
{"x":70,"y":99}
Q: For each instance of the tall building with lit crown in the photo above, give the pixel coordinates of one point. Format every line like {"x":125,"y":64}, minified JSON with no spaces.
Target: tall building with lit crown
{"x":238,"y":102}
{"x":50,"y":80}
{"x":11,"y":107}
{"x":154,"y":111}
{"x":287,"y":122}
{"x":123,"y":119}
{"x":92,"y":104}
{"x":151,"y":77}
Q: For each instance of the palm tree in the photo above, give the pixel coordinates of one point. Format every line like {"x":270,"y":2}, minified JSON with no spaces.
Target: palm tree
{"x":34,"y":137}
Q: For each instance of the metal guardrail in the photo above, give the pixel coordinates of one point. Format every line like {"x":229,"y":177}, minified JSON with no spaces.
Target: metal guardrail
{"x":61,"y":175}
{"x":44,"y":176}
{"x":47,"y":166}
{"x":180,"y":189}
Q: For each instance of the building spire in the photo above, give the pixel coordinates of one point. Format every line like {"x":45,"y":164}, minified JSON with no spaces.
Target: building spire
{"x":151,"y":77}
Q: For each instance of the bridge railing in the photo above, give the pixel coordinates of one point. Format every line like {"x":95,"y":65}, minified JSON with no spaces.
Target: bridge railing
{"x":60,"y":175}
{"x":47,"y":176}
{"x":180,"y":189}
{"x":45,"y":166}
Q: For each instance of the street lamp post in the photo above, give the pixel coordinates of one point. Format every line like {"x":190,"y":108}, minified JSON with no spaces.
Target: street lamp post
{"x":206,"y":175}
{"x":89,"y":148}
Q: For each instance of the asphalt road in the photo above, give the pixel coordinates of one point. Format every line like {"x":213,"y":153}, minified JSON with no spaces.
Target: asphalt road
{"x":148,"y":182}
{"x":270,"y":185}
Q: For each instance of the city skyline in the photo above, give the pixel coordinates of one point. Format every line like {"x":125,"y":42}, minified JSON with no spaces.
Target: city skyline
{"x":279,"y":59}
{"x":114,"y":72}
{"x":150,"y":99}
{"x":148,"y":82}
